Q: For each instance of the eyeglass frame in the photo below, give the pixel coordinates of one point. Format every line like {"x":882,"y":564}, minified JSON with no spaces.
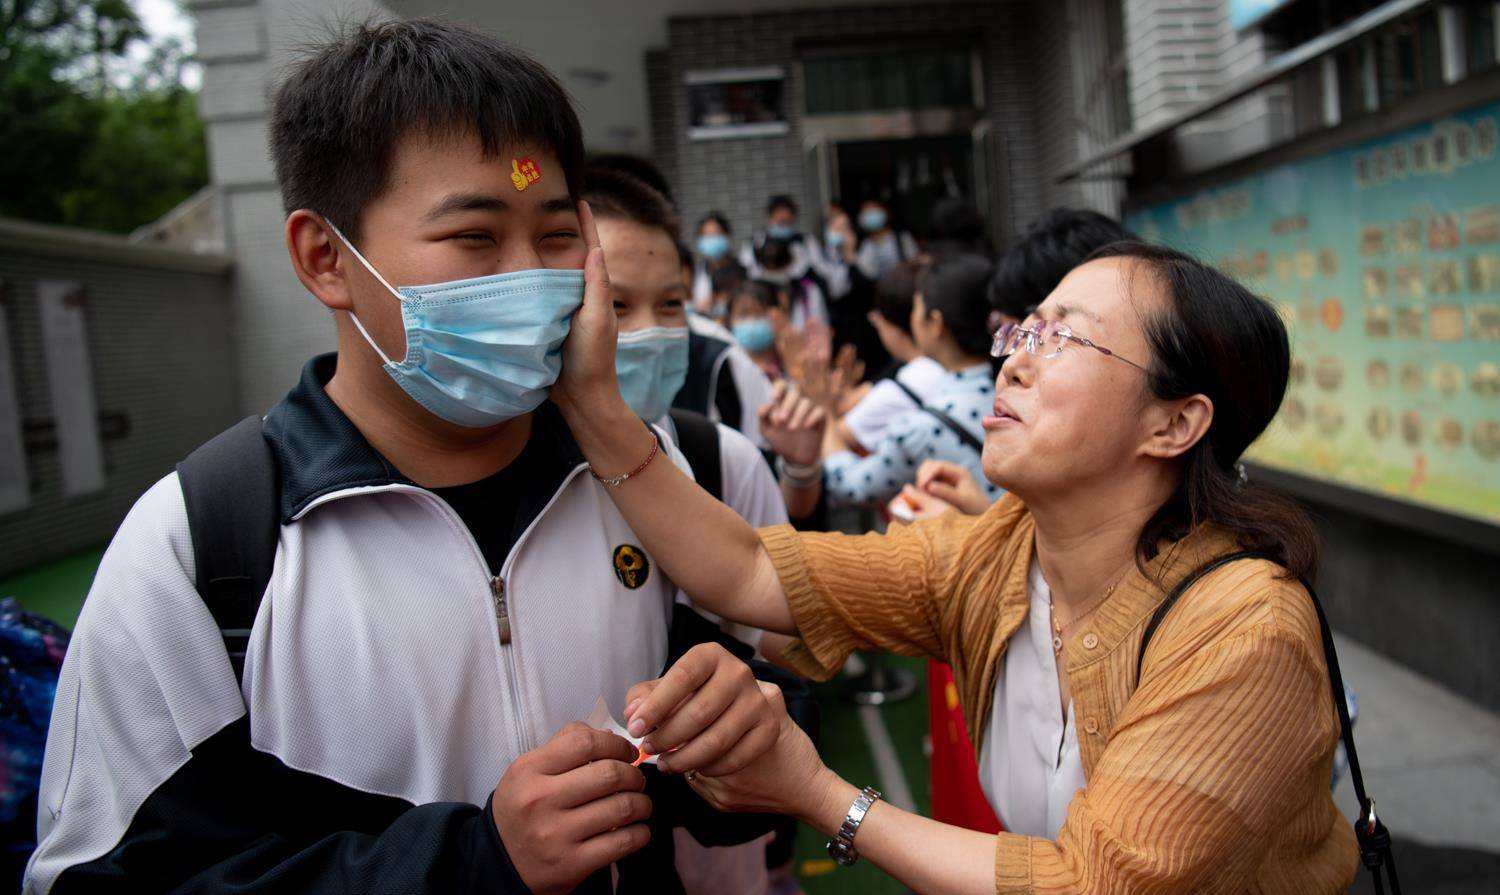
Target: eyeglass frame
{"x":1034,"y":336}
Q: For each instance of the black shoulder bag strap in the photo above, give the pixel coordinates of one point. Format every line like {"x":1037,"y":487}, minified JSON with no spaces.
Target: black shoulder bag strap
{"x":231,"y":489}
{"x":698,"y":438}
{"x":1374,"y":839}
{"x":964,"y":435}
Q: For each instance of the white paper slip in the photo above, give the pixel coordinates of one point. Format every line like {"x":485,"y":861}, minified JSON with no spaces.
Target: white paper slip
{"x":603,"y":720}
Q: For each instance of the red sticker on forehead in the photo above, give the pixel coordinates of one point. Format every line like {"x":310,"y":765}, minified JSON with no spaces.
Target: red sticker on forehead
{"x":524,"y":172}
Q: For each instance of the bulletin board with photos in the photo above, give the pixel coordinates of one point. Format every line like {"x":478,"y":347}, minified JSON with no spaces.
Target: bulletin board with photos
{"x":1384,"y":260}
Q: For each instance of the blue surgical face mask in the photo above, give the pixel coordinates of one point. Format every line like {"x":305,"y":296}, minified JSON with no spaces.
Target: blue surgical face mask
{"x":754,"y":334}
{"x":484,"y":350}
{"x":781,"y":231}
{"x":872,"y":220}
{"x":834,"y":239}
{"x":652,"y":365}
{"x":713,"y":246}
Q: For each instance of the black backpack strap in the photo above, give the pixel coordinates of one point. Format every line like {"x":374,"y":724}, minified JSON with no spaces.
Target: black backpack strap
{"x":1374,"y":839}
{"x":698,"y":437}
{"x":231,"y":489}
{"x":915,"y":398}
{"x":964,"y":435}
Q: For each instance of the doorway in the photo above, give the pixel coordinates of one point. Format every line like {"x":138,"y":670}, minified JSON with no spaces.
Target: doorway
{"x":908,"y":175}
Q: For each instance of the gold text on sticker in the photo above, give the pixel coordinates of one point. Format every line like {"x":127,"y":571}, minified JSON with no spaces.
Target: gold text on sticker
{"x":524,"y":172}
{"x":631,"y":566}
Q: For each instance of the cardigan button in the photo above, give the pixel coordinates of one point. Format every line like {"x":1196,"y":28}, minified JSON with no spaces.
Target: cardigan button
{"x":1090,"y":640}
{"x":1090,"y":726}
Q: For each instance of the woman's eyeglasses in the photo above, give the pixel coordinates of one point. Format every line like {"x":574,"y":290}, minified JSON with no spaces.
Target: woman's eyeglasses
{"x":1045,"y":340}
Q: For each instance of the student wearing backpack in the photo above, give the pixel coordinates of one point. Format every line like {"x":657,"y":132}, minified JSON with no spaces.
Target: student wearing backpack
{"x":450,"y":588}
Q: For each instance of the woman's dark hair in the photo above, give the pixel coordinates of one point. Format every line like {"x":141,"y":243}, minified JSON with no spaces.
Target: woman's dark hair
{"x":1054,"y":244}
{"x":718,"y":218}
{"x":337,"y":117}
{"x":894,"y":292}
{"x":955,"y":286}
{"x":1214,"y":337}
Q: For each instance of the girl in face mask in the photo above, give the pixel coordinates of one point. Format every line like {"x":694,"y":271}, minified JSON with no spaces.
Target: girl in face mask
{"x":883,"y":246}
{"x":713,"y":252}
{"x":751,"y":307}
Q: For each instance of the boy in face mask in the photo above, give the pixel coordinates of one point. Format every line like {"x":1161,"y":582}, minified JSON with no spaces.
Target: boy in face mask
{"x":445,"y":590}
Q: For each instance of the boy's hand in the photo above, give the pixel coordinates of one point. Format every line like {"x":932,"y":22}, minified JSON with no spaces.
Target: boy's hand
{"x":571,"y":807}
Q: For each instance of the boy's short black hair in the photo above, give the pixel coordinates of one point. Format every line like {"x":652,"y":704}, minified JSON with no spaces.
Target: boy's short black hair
{"x":1058,"y":241}
{"x":781,"y":200}
{"x":612,"y":193}
{"x":339,"y":114}
{"x":764,"y":293}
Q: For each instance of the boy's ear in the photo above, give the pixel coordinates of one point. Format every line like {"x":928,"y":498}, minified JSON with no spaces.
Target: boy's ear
{"x":317,"y":259}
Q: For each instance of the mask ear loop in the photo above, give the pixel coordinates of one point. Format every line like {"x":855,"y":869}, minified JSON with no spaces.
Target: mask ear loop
{"x":376,"y":274}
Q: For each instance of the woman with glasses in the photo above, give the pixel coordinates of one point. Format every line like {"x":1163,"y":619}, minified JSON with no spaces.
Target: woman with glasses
{"x":1121,"y":410}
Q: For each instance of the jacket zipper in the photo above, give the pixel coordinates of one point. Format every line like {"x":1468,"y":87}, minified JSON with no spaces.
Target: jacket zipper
{"x":499,"y":593}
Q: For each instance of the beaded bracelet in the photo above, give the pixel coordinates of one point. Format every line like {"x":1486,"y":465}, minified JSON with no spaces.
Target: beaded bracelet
{"x":617,"y":481}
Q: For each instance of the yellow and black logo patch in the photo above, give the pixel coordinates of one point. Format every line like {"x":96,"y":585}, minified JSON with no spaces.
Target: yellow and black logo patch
{"x":631,"y":565}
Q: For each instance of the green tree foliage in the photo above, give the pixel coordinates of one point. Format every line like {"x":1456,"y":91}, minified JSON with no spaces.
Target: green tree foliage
{"x":83,"y":141}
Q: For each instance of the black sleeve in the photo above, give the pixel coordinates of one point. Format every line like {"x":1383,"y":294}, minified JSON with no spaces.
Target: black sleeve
{"x":236,"y":820}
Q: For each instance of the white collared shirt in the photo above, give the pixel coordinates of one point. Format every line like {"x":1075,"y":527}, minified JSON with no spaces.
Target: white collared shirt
{"x":1029,"y":766}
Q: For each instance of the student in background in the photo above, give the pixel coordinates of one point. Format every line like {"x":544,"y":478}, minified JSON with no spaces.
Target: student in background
{"x":781,"y":226}
{"x":751,"y":310}
{"x":882,"y":246}
{"x":714,"y":254}
{"x":912,"y":384}
{"x":949,"y":323}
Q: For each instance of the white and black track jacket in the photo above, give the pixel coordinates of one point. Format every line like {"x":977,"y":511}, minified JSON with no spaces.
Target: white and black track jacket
{"x":379,"y":707}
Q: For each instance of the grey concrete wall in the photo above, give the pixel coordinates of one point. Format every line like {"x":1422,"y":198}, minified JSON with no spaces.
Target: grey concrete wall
{"x":736,"y":176}
{"x":163,"y":365}
{"x":244,"y":46}
{"x":1427,"y":602}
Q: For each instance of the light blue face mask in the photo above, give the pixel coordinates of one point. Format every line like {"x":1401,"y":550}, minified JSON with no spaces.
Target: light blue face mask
{"x":483,"y":350}
{"x":713,"y":246}
{"x":872,"y":221}
{"x":652,"y":365}
{"x":834,"y":239}
{"x":754,"y":334}
{"x":781,"y":231}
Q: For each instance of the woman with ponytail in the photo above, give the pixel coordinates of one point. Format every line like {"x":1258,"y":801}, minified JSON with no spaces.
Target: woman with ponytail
{"x":1122,"y":408}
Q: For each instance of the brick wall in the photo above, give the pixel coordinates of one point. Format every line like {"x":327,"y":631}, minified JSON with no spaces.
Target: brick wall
{"x":737,"y":175}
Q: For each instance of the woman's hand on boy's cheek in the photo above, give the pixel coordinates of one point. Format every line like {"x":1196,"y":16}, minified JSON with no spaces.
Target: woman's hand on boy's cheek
{"x":588,"y":368}
{"x":708,"y":711}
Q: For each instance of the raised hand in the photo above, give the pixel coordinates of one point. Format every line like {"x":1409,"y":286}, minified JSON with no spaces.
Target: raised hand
{"x":792,"y":424}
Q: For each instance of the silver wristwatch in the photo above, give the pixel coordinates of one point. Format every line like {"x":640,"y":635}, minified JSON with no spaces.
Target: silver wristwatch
{"x":841,"y":849}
